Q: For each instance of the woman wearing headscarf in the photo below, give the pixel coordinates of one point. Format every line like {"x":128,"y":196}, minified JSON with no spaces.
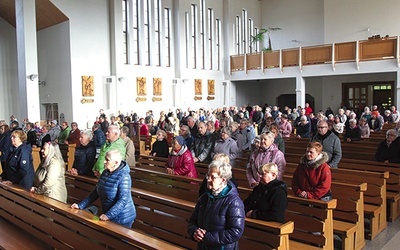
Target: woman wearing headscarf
{"x":49,"y":177}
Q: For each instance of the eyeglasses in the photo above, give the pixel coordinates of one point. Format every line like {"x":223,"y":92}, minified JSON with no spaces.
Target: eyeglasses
{"x":322,"y":127}
{"x":213,"y":178}
{"x":391,"y":135}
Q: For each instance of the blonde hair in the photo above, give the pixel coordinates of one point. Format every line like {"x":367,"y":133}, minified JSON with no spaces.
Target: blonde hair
{"x":221,"y":157}
{"x":269,"y":168}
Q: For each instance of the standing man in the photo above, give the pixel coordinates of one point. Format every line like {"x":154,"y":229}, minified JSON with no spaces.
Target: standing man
{"x":64,"y":133}
{"x":130,"y":148}
{"x":248,"y":132}
{"x":113,"y":141}
{"x":330,"y":142}
{"x":54,"y":131}
{"x":191,"y":122}
{"x":203,"y":145}
{"x":74,"y":135}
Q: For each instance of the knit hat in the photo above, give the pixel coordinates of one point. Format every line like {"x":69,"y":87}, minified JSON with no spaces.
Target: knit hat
{"x":54,"y":121}
{"x":180,"y":140}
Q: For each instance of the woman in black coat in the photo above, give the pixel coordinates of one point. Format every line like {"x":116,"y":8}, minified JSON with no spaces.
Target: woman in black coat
{"x":268,"y":201}
{"x":160,"y":147}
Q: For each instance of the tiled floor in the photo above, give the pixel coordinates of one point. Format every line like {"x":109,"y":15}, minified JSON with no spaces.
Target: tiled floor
{"x":389,"y":239}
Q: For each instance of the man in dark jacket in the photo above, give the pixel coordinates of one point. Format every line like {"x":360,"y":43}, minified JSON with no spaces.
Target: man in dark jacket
{"x":389,"y":150}
{"x":203,"y":145}
{"x":330,"y":142}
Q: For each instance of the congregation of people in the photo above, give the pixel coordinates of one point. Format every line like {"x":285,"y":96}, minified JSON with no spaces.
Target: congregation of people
{"x":214,"y":137}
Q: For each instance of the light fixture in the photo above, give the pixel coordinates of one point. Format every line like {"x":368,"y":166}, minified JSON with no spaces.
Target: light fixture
{"x":121,"y":79}
{"x":32,"y":77}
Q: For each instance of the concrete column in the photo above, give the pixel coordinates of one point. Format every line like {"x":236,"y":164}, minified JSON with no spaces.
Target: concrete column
{"x":300,"y":91}
{"x":28,"y":79}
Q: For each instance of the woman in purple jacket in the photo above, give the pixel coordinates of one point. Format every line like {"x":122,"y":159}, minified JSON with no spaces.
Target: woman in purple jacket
{"x":268,"y":152}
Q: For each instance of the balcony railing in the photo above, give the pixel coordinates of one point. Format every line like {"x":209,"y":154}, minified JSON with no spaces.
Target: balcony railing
{"x":357,"y":51}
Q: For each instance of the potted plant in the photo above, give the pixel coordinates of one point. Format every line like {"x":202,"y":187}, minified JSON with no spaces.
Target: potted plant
{"x":259,"y":37}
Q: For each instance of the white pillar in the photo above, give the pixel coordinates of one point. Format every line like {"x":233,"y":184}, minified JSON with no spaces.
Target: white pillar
{"x":396,"y":100}
{"x":300,"y":91}
{"x":28,"y":87}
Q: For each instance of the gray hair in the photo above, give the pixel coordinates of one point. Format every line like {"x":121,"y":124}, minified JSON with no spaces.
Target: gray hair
{"x":125,"y":130}
{"x":87,"y":133}
{"x":54,"y":152}
{"x":223,"y":169}
{"x":115,"y":129}
{"x":268,"y":135}
{"x":226,"y":130}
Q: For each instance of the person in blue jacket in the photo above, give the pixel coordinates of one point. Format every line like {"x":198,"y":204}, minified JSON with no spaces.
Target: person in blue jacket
{"x":85,"y":155}
{"x":19,"y":168}
{"x":5,"y":144}
{"x":218,"y":219}
{"x":114,"y":191}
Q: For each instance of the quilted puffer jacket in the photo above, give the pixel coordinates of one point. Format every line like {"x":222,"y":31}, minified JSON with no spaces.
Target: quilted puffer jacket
{"x":182,"y":162}
{"x":114,"y":191}
{"x":222,"y":216}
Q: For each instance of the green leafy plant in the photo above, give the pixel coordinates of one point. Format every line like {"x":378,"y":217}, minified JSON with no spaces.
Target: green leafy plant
{"x":260,"y":36}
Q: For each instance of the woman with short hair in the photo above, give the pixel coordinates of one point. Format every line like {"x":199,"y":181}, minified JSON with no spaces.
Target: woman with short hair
{"x":85,"y":155}
{"x":160,"y":147}
{"x":217,"y":221}
{"x":312,"y":177}
{"x":19,"y":166}
{"x":267,"y":152}
{"x":226,"y":145}
{"x":268,"y":201}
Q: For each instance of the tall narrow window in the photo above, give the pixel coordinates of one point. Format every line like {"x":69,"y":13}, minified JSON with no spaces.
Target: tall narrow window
{"x":157,"y":22}
{"x":135,"y":32}
{"x":251,"y":34}
{"x":146,"y":24}
{"x":210,"y":23}
{"x":257,"y":43}
{"x":194,"y":34}
{"x":167,"y":22}
{"x":202,"y":34}
{"x":218,"y":42}
{"x":187,"y":38}
{"x":237,"y":34}
{"x":244,"y":31}
{"x":124,"y":31}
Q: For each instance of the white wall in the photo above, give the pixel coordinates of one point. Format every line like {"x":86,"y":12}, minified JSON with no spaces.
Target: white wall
{"x":54,"y":58}
{"x":299,"y":20}
{"x":349,"y":20}
{"x":8,"y":72}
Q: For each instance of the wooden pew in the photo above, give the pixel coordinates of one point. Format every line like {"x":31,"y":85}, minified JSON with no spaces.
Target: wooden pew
{"x":374,"y":196}
{"x":313,"y":223}
{"x":68,"y":154}
{"x":348,"y":216}
{"x":61,"y":227}
{"x":392,"y":183}
{"x":165,"y":216}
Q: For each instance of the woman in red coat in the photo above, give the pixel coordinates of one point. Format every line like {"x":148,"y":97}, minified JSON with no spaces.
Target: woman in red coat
{"x":180,"y":161}
{"x":312,"y":178}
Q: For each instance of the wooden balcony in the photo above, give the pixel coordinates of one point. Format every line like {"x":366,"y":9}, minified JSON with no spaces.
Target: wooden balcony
{"x":356,"y":51}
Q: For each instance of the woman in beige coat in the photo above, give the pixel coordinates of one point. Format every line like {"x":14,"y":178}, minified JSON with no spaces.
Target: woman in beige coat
{"x":49,"y":177}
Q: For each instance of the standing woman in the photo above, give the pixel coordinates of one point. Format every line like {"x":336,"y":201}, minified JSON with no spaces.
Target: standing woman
{"x":312,"y":177}
{"x":114,"y":191}
{"x":268,"y":152}
{"x":218,"y":219}
{"x":49,"y":177}
{"x":268,"y":201}
{"x":180,"y":161}
{"x":160,"y":147}
{"x":5,"y":144}
{"x":19,"y":167}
